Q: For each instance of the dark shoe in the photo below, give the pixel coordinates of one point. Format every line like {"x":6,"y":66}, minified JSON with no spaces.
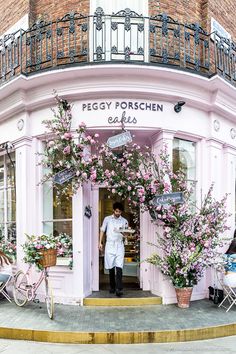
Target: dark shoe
{"x":112,"y":291}
{"x":119,"y":293}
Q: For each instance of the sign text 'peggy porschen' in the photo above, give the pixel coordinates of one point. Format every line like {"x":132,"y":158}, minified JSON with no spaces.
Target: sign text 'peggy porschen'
{"x":122,"y":111}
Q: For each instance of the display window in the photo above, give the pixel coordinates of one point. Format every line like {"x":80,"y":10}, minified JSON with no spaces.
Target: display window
{"x":57,"y":213}
{"x":7,"y":198}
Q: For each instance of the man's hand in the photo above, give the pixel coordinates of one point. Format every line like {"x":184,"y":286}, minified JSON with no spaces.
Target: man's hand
{"x":101,"y":247}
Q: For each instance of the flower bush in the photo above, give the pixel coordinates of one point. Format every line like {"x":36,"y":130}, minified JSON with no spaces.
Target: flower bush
{"x":34,"y":246}
{"x":191,"y":235}
{"x":70,"y":150}
{"x":64,"y":247}
{"x":9,"y":248}
{"x":130,"y":172}
{"x":190,"y":240}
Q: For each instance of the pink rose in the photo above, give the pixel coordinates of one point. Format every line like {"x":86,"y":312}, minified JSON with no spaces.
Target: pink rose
{"x":66,"y":150}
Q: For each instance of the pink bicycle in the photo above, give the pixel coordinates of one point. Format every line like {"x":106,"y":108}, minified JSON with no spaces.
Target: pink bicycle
{"x":24,"y":290}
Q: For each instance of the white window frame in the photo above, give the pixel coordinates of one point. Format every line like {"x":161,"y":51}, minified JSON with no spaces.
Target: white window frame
{"x":5,"y":189}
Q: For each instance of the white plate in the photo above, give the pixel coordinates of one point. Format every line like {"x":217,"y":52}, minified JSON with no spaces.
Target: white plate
{"x":128,"y":231}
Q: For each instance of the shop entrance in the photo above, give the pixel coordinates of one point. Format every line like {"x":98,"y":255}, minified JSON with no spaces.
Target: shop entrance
{"x":132,"y":245}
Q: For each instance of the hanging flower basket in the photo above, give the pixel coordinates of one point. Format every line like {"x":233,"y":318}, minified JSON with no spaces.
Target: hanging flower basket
{"x":49,"y":258}
{"x":40,"y":250}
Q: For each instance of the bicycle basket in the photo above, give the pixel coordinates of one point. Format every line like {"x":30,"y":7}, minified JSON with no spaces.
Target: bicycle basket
{"x":49,"y":258}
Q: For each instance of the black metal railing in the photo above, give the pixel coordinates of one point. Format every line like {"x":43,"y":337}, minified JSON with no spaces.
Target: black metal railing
{"x":122,"y":37}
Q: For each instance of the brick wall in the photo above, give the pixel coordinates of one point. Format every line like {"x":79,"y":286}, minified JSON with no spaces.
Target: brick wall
{"x":181,"y":10}
{"x":53,"y":9}
{"x":201,"y":11}
{"x":11,"y":12}
{"x":224,"y":13}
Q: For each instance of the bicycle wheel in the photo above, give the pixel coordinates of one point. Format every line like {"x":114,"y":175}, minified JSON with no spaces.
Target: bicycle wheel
{"x":49,"y":298}
{"x":19,"y":288}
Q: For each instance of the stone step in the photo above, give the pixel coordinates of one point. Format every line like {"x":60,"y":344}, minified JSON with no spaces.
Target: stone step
{"x":122,"y":301}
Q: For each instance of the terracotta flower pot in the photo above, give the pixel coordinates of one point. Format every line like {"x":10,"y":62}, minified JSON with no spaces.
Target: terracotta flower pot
{"x":183,"y":296}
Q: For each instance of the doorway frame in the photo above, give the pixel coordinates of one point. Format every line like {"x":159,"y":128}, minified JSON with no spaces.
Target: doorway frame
{"x":95,"y":191}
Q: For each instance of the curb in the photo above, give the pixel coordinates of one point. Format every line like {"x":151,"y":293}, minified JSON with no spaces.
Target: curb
{"x":164,"y":336}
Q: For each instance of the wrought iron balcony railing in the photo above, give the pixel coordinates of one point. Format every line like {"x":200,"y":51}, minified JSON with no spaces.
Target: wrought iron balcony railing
{"x":122,"y":37}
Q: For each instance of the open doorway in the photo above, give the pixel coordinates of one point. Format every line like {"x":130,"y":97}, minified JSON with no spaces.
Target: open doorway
{"x":132,"y":244}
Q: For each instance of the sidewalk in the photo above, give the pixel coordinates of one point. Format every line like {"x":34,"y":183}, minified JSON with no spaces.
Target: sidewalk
{"x":211,"y":346}
{"x":149,"y":324}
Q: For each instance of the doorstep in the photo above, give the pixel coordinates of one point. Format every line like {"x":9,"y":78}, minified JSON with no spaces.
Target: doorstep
{"x":129,"y":298}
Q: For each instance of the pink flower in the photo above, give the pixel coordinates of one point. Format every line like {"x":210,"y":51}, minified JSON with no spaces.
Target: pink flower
{"x":67,"y":136}
{"x":66,"y":150}
{"x":51,"y":143}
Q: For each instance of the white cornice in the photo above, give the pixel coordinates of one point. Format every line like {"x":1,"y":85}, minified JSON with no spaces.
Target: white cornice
{"x":118,"y":80}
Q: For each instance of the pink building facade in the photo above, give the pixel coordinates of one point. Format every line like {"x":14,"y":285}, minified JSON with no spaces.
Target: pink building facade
{"x":100,"y":94}
{"x":202,"y":135}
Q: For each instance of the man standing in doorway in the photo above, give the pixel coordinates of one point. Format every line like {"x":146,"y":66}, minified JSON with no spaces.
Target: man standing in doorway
{"x":114,"y":249}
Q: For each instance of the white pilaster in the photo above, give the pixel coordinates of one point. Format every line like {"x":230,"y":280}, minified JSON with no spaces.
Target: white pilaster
{"x":215,"y":167}
{"x":78,"y":251}
{"x":24,"y":193}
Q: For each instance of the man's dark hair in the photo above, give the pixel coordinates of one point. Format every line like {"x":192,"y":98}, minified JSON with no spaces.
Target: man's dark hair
{"x":118,"y":205}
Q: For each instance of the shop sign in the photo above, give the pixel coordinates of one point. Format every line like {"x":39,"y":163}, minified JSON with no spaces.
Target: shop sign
{"x":64,"y":176}
{"x":120,"y":111}
{"x":167,"y":199}
{"x":119,"y":140}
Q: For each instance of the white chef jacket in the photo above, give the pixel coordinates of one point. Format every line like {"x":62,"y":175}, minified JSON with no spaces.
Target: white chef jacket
{"x":114,"y":249}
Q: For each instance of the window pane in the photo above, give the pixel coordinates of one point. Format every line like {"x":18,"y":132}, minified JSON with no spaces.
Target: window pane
{"x":10,"y":170}
{"x":57,"y":227}
{"x":51,"y":208}
{"x":63,"y":210}
{"x":1,"y":206}
{"x":1,"y":172}
{"x":11,"y":205}
{"x":11,"y":231}
{"x":184,"y":157}
{"x":47,"y":201}
{"x":7,"y":197}
{"x":1,"y":232}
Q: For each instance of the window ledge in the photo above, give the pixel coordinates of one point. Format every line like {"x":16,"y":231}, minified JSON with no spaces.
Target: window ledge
{"x":63,"y":261}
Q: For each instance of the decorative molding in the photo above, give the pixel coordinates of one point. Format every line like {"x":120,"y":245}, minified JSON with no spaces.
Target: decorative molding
{"x":20,"y":124}
{"x":216,"y":125}
{"x":233,"y":133}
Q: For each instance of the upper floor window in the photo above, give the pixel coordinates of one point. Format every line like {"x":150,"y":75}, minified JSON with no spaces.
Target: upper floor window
{"x":109,"y":7}
{"x":7,"y":198}
{"x":119,"y":30}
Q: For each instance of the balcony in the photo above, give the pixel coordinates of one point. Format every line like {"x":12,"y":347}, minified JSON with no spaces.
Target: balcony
{"x":124,"y":37}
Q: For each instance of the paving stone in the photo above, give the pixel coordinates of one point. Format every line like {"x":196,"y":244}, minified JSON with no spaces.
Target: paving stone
{"x":201,"y":313}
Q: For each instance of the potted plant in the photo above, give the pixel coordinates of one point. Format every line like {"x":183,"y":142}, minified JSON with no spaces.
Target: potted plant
{"x":40,"y":250}
{"x":189,"y":243}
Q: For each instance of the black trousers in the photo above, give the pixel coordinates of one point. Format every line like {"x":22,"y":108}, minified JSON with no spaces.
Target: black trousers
{"x":115,"y":277}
